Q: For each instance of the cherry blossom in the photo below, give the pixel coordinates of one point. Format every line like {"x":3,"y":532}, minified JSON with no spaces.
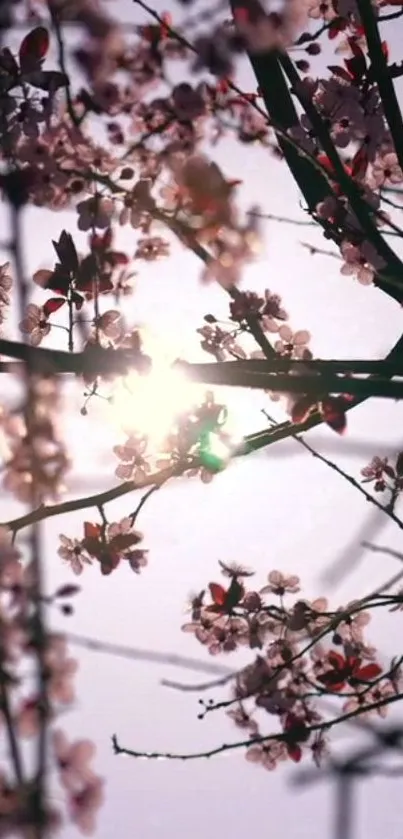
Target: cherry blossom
{"x":356,"y":262}
{"x":321,"y":9}
{"x":35,"y":324}
{"x":281,"y":584}
{"x":243,"y":720}
{"x":268,"y":755}
{"x":72,"y":551}
{"x":151,"y":248}
{"x":376,"y":471}
{"x":386,"y":170}
{"x":220,"y":343}
{"x":61,"y":671}
{"x":6,"y":283}
{"x":73,"y":760}
{"x":84,"y":805}
{"x":28,"y":718}
{"x":134,"y":466}
{"x":293,"y":344}
{"x":95,"y":212}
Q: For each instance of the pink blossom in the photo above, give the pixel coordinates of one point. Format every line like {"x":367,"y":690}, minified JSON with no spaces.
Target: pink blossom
{"x":151,"y":248}
{"x":134,"y":466}
{"x":220,"y":343}
{"x":351,"y":629}
{"x":321,"y":9}
{"x":280,"y":584}
{"x":28,"y":718}
{"x":84,"y":805}
{"x":72,"y":551}
{"x":10,"y":565}
{"x":243,"y":720}
{"x":35,"y":324}
{"x":376,"y":471}
{"x":386,"y":170}
{"x":267,"y":754}
{"x":6,"y":283}
{"x":95,"y":212}
{"x":293,"y":344}
{"x":61,"y":670}
{"x":73,"y":760}
{"x":110,"y":324}
{"x":355,"y":263}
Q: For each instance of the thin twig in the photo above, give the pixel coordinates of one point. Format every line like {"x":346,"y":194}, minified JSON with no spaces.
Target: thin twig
{"x":227,"y":747}
{"x":151,"y":656}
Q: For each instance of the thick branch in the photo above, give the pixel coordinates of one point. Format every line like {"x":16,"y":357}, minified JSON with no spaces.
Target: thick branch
{"x":235,"y":374}
{"x":49,"y":511}
{"x":394,"y":266}
{"x":380,"y":73}
{"x":95,"y":360}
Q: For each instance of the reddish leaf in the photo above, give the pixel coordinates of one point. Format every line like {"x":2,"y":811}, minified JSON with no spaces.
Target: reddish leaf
{"x":123,"y":541}
{"x":217,"y":594}
{"x":91,"y":531}
{"x":325,"y":162}
{"x":360,"y":163}
{"x":335,"y":679}
{"x":368,"y":672}
{"x":33,"y":47}
{"x":295,"y":753}
{"x":336,"y":660}
{"x":225,"y":600}
{"x":101,"y":241}
{"x":222,"y":86}
{"x":53,"y":305}
{"x":334,"y":414}
{"x":355,"y":48}
{"x":340,"y":72}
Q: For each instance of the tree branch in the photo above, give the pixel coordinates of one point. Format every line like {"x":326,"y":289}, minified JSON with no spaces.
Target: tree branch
{"x":49,"y":511}
{"x":380,"y":73}
{"x":226,"y":747}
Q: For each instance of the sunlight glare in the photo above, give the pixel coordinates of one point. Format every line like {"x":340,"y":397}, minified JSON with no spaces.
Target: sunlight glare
{"x":150,"y":404}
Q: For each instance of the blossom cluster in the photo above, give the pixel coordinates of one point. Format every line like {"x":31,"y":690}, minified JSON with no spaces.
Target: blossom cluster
{"x":383,"y":475}
{"x":31,"y":706}
{"x":108,"y":544}
{"x":306,"y":652}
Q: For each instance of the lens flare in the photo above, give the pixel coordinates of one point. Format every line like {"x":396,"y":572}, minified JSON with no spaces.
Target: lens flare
{"x":150,"y":404}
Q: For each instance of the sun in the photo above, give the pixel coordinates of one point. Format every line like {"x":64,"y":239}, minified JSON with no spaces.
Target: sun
{"x":150,"y":404}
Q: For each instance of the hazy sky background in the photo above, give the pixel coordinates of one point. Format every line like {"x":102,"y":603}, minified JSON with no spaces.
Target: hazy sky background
{"x":277,"y":509}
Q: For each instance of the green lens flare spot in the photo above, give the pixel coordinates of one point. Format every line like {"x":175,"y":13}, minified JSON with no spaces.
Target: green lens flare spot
{"x":214,"y":454}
